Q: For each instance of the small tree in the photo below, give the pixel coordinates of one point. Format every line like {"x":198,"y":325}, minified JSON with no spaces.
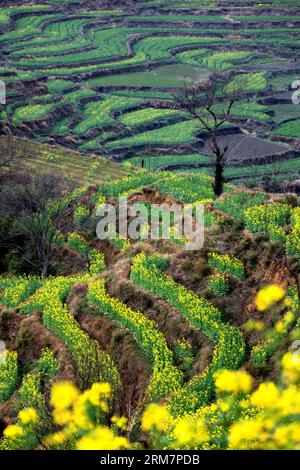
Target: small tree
{"x":212,"y":110}
{"x":37,"y":205}
{"x":12,"y":150}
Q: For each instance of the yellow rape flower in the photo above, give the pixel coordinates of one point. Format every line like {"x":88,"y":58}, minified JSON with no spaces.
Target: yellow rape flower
{"x":14,"y":431}
{"x":55,"y":439}
{"x":28,"y":416}
{"x":63,"y":395}
{"x":243,"y":432}
{"x":291,"y":367}
{"x":265,"y":396}
{"x":233,"y":381}
{"x":269,"y":296}
{"x":102,"y":438}
{"x":119,"y":422}
{"x":62,"y":416}
{"x":156,"y":416}
{"x":190,"y":432}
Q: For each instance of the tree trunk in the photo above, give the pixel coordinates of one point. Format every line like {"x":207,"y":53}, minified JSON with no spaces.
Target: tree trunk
{"x":219,"y":180}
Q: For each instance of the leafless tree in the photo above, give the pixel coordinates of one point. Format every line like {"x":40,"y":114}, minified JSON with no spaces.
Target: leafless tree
{"x":37,"y":205}
{"x":204,"y":104}
{"x":12,"y":150}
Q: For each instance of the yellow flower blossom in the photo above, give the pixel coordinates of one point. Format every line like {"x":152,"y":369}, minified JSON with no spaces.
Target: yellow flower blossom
{"x":291,"y":367}
{"x":265,"y":396}
{"x":28,"y":416}
{"x":63,"y":395}
{"x":119,"y":422}
{"x":102,"y":438}
{"x":233,"y":381}
{"x":14,"y":431}
{"x":243,"y":432}
{"x":268,"y":296}
{"x":155,"y":417}
{"x":190,"y":432}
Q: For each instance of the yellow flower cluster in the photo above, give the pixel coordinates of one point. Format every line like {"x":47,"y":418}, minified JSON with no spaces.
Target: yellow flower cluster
{"x":200,"y":314}
{"x":87,"y":353}
{"x":268,"y":296}
{"x":17,"y":289}
{"x":8,"y":374}
{"x":81,"y":418}
{"x":291,"y":367}
{"x":156,"y":417}
{"x":233,"y":381}
{"x":24,"y":433}
{"x":267,"y":418}
{"x":264,"y":349}
{"x":165,"y":377}
{"x":28,"y":416}
{"x":268,"y":219}
{"x":293,"y":238}
{"x":227,"y":264}
{"x":128,"y":183}
{"x":81,"y":214}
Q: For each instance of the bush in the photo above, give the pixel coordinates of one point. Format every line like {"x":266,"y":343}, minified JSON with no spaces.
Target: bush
{"x":227,"y":264}
{"x":218,"y":283}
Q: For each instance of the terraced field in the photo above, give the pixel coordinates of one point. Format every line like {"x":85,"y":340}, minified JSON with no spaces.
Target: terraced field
{"x":154,"y":324}
{"x":105,"y":80}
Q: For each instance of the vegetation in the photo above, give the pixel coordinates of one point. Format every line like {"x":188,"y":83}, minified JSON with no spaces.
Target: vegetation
{"x":149,"y":111}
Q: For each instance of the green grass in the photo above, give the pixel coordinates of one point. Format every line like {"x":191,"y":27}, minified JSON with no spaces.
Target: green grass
{"x":289,"y":129}
{"x":154,"y":162}
{"x":32,"y":112}
{"x":147,"y":115}
{"x":8,"y":12}
{"x":179,"y":133}
{"x":98,"y":113}
{"x":168,"y":76}
{"x":251,"y":83}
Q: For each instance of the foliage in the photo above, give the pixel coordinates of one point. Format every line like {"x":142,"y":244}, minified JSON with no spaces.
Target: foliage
{"x":267,"y":418}
{"x":201,"y":315}
{"x":275,"y":337}
{"x":9,"y":372}
{"x":227,"y":264}
{"x":165,"y":377}
{"x":218,"y":283}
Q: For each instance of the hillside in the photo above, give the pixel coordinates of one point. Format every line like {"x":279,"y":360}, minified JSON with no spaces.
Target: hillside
{"x":103,"y":80}
{"x":149,"y":237}
{"x":138,"y":350}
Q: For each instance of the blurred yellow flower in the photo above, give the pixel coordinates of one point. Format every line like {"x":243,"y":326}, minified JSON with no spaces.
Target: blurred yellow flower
{"x":63,"y":395}
{"x":28,"y":416}
{"x":119,"y":422}
{"x":233,"y":381}
{"x":156,"y":416}
{"x":269,"y":296}
{"x":265,"y":396}
{"x":14,"y":431}
{"x":102,"y":438}
{"x":291,"y":367}
{"x":189,"y":431}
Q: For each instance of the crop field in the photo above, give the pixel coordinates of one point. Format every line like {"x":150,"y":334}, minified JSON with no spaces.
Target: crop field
{"x":141,"y":331}
{"x":112,"y":90}
{"x":147,"y":342}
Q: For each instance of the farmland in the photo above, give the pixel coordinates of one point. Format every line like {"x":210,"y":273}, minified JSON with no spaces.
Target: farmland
{"x":143,"y":63}
{"x":140,"y":341}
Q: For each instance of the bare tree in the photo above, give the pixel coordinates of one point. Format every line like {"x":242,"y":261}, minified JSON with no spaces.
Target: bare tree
{"x":212,"y":113}
{"x":12,"y":150}
{"x":37,"y":205}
